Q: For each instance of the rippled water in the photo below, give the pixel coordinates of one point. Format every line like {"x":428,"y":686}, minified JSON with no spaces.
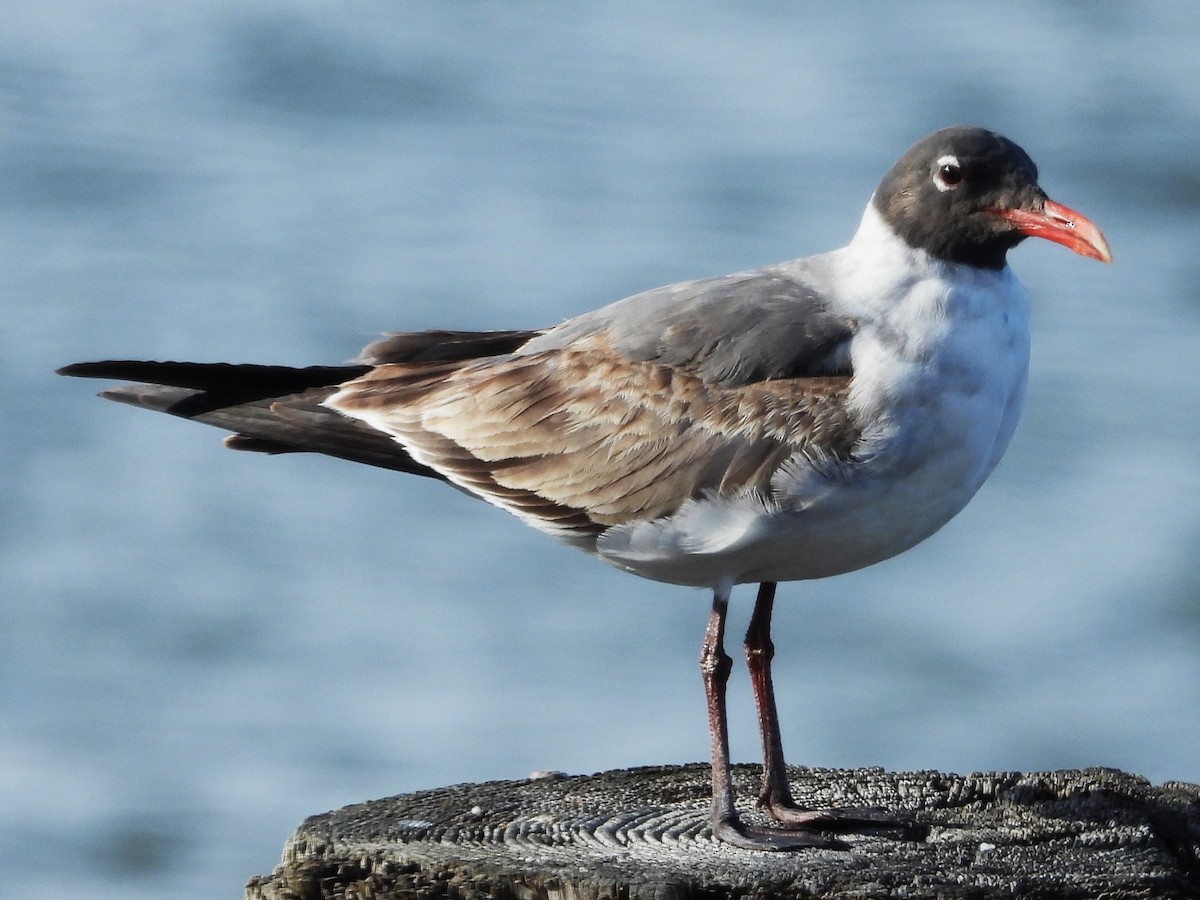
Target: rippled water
{"x":200,"y":648}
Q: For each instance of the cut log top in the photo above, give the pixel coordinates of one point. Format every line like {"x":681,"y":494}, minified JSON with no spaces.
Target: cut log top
{"x":643,"y":833}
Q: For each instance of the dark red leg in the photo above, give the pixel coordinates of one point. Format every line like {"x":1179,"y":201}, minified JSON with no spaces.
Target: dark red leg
{"x":776,"y":795}
{"x":726,"y":826}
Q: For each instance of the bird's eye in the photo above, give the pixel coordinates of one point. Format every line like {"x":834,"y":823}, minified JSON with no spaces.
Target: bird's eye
{"x":949,"y":173}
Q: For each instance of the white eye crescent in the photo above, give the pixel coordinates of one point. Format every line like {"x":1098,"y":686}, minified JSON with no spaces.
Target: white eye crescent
{"x":947,"y":173}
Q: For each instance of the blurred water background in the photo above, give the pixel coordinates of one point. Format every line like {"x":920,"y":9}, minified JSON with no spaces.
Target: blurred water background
{"x":200,"y":648}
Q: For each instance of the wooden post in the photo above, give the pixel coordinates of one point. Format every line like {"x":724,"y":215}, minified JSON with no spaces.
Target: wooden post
{"x":642,"y":833}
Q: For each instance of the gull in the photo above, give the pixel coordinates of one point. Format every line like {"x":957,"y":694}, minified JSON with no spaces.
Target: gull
{"x":791,"y":422}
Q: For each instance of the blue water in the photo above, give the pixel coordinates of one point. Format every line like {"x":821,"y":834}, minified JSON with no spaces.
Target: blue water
{"x":200,"y":648}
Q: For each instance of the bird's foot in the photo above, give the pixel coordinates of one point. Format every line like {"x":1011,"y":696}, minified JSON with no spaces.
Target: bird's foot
{"x":800,"y":828}
{"x":867,"y":820}
{"x":754,"y":837}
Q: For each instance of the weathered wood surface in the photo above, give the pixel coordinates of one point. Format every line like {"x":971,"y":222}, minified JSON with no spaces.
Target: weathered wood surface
{"x":641,"y":833}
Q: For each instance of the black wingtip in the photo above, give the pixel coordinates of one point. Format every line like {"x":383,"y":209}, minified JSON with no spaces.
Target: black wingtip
{"x":248,"y":379}
{"x":80,"y":370}
{"x":122,"y":369}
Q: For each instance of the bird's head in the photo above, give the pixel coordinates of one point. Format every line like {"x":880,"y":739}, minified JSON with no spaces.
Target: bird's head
{"x":968,"y":195}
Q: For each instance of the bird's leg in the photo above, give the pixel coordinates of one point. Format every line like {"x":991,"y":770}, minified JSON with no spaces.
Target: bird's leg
{"x":726,"y":826}
{"x":715,"y":666}
{"x":775,"y":794}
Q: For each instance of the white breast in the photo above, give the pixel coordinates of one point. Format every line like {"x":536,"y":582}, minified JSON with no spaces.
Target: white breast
{"x":940,"y":361}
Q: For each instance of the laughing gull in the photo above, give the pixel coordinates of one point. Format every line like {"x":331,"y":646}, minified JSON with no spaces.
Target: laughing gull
{"x":791,"y":422}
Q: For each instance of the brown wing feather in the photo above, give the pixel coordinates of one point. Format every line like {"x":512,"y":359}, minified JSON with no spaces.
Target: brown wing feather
{"x":579,"y":438}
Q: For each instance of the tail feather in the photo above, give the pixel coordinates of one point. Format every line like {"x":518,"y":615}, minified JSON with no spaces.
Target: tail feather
{"x":269,"y":409}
